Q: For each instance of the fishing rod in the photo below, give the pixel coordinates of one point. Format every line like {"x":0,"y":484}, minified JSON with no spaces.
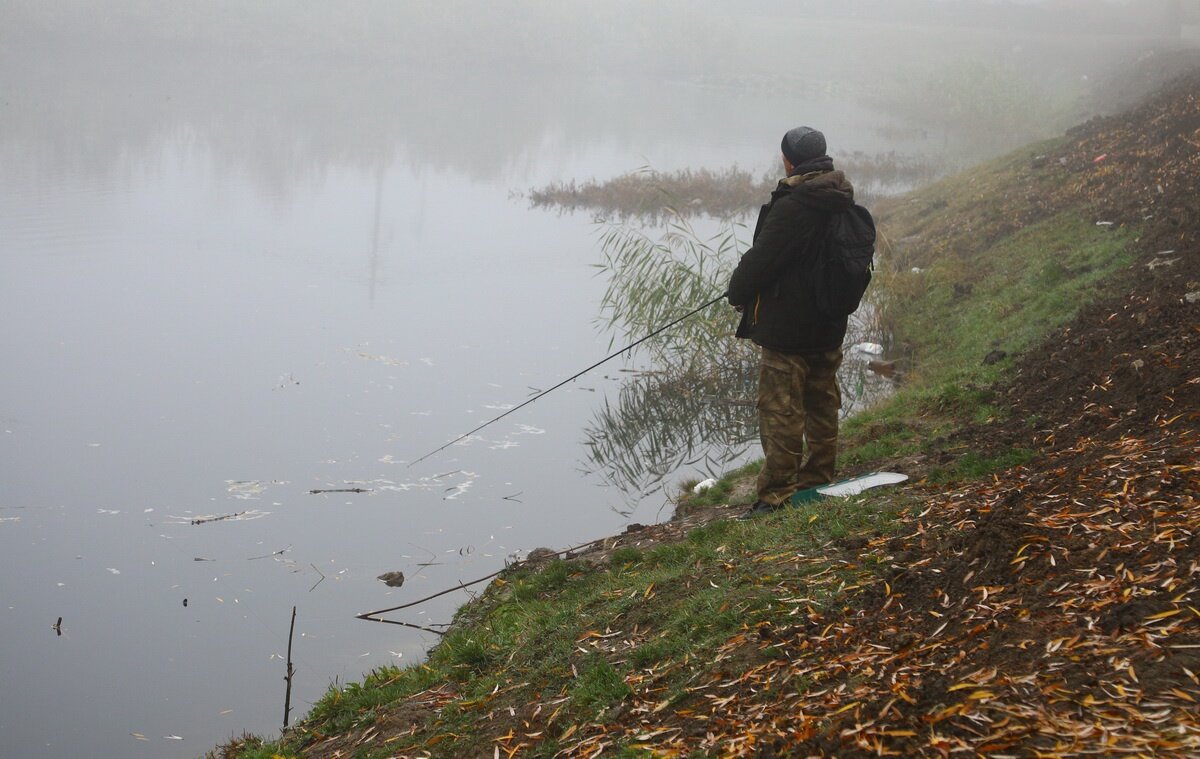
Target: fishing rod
{"x":573,"y":377}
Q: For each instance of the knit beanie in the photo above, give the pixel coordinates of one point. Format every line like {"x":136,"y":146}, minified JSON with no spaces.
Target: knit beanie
{"x":803,"y":144}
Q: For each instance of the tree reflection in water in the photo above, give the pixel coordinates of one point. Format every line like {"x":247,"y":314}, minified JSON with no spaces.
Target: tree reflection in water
{"x":692,"y":415}
{"x":698,"y":419}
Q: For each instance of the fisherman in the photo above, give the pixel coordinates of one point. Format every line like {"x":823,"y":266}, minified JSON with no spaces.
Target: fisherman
{"x":798,"y":394}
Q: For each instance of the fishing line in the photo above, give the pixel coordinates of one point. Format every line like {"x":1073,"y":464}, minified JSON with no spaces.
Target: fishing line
{"x":575,"y":376}
{"x":373,"y":616}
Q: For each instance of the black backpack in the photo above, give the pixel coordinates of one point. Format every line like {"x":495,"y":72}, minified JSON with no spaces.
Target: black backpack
{"x":844,"y":261}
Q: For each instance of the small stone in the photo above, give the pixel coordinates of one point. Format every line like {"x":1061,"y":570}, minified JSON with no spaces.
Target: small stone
{"x":994,"y":356}
{"x":1192,"y":297}
{"x":541,"y":555}
{"x":1138,"y":364}
{"x":392,"y":579}
{"x":882,"y":368}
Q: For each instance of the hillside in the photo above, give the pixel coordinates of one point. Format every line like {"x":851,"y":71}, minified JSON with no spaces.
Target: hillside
{"x":1035,"y":588}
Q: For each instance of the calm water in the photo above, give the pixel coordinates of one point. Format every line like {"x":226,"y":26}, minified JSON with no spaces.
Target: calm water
{"x":220,"y":290}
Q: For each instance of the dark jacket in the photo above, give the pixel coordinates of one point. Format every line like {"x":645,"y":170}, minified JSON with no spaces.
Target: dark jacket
{"x":768,"y":282}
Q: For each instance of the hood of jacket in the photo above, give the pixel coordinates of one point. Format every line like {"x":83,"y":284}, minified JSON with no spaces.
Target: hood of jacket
{"x":826,"y":190}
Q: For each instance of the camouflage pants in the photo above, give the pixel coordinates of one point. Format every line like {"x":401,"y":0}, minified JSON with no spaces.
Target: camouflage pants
{"x":798,"y":401}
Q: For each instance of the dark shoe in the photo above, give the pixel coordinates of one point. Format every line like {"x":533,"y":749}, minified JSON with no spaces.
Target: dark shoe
{"x":760,"y":508}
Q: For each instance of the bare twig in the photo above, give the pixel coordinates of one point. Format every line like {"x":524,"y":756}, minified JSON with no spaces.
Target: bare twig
{"x":287,"y":698}
{"x":203,"y":520}
{"x":318,"y":582}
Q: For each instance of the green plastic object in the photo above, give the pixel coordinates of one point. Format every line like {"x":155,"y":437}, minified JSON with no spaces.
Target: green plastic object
{"x":849,"y":487}
{"x":806,"y":496}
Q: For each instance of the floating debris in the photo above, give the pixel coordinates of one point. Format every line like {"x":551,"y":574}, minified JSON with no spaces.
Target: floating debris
{"x":247,"y":490}
{"x":280,"y":552}
{"x":240,"y":516}
{"x":206,"y":520}
{"x":317,"y":491}
{"x":386,"y":360}
{"x":318,"y":582}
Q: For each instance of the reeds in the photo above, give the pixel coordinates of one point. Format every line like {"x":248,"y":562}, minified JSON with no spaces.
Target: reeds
{"x":646,"y":193}
{"x":726,"y":194}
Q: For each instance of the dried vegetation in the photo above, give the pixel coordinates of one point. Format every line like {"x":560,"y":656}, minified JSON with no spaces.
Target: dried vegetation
{"x":730,"y":193}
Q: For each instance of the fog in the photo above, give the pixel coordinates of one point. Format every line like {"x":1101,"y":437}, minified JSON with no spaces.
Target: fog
{"x":253,"y":250}
{"x":476,"y":86}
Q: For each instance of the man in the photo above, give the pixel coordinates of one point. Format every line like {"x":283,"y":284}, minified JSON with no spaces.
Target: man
{"x":798,"y":394}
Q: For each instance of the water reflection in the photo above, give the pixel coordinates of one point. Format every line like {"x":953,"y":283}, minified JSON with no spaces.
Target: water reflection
{"x":683,"y":418}
{"x":696,"y":417}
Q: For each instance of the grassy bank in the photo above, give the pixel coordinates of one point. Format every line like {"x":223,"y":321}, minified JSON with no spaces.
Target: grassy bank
{"x":1028,"y":590}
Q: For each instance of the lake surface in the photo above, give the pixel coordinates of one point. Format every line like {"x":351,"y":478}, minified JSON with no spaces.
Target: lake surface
{"x":221,"y":289}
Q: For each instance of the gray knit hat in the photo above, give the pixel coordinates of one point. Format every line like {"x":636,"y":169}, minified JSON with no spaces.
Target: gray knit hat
{"x":803,"y":144}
